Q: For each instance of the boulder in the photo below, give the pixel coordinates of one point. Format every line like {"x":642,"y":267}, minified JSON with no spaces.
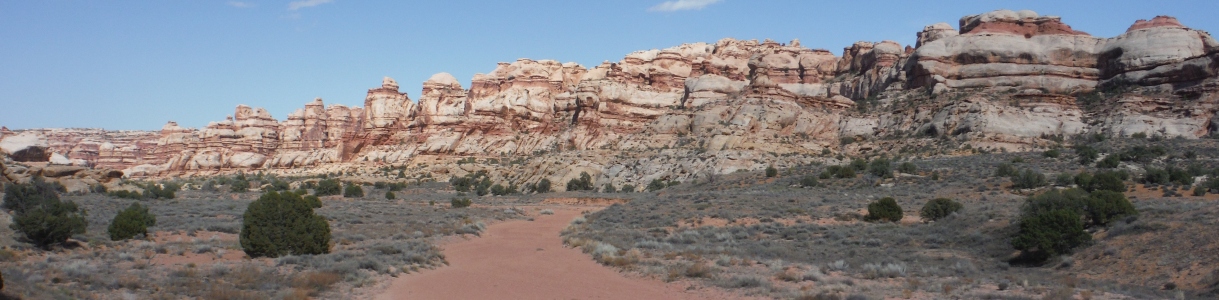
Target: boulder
{"x":25,"y":147}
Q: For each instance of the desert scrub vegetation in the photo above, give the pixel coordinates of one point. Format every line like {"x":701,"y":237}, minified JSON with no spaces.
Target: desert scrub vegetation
{"x":280,"y":224}
{"x":939,"y":208}
{"x":885,"y":209}
{"x":753,"y":223}
{"x":1053,"y":223}
{"x":39,"y":214}
{"x":131,"y":222}
{"x":372,"y":239}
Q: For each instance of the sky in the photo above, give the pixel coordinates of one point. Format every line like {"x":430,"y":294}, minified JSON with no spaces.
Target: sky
{"x":134,"y":65}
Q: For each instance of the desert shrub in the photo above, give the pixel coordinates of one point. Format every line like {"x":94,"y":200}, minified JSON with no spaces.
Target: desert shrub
{"x":239,"y":186}
{"x":1156,"y":176}
{"x":907,"y":168}
{"x":40,"y":215}
{"x":1109,"y":181}
{"x":131,"y":222}
{"x":1052,"y":153}
{"x":809,"y":181}
{"x":771,"y":171}
{"x":859,"y":164}
{"x":1073,"y":200}
{"x":389,"y":195}
{"x":656,"y":185}
{"x":840,"y":172}
{"x":379,"y":185}
{"x":1200,"y":191}
{"x":584,"y":183}
{"x":885,"y":209}
{"x":461,"y":184}
{"x":1064,"y":179}
{"x":1110,"y":161}
{"x":628,"y":188}
{"x":1087,"y":155}
{"x":880,"y":167}
{"x":1005,"y":170}
{"x":125,"y":194}
{"x":482,"y":187}
{"x":460,"y":203}
{"x":1046,"y":234}
{"x":277,"y":185}
{"x":498,"y":190}
{"x":327,"y":187}
{"x":1105,"y":206}
{"x":609,"y":188}
{"x":939,"y":208}
{"x":353,"y":191}
{"x":1142,"y":154}
{"x":1028,"y":179}
{"x":312,"y":200}
{"x":280,"y":224}
{"x":156,"y":191}
{"x":1139,"y":135}
{"x":543,"y":186}
{"x":1179,"y":176}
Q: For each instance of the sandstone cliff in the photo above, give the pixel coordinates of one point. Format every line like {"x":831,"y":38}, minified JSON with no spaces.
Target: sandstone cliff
{"x":1002,"y":80}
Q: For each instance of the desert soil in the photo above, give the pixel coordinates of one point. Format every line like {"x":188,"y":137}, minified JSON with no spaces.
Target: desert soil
{"x":527,"y":260}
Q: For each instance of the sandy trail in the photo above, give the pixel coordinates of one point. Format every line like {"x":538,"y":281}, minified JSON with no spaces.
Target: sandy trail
{"x":527,"y":260}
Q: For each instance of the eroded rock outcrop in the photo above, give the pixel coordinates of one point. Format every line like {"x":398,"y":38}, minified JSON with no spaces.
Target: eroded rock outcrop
{"x":1003,"y":79}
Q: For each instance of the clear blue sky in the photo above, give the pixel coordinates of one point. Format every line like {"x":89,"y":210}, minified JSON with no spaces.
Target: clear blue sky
{"x":138,"y":64}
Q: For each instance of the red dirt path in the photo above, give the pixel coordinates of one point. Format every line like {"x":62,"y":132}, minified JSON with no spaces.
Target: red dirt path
{"x":527,"y":260}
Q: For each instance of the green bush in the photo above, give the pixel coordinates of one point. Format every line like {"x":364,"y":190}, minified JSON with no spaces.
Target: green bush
{"x":1046,"y":234}
{"x":1109,"y":181}
{"x":1110,"y":161}
{"x":907,"y":168}
{"x":859,"y":164}
{"x":584,"y":183}
{"x":353,"y":191}
{"x":609,"y":188}
{"x":460,"y":203}
{"x":498,"y":190}
{"x":483,"y":187}
{"x":131,"y":222}
{"x":156,"y":191}
{"x":1052,"y":153}
{"x":312,"y":201}
{"x":885,"y":209}
{"x":40,"y":215}
{"x":809,"y":181}
{"x":125,"y":194}
{"x":771,"y":171}
{"x":389,"y":195}
{"x":1087,"y":155}
{"x":240,"y":186}
{"x":628,"y":188}
{"x":1029,"y":179}
{"x":543,"y":186}
{"x":328,"y":187}
{"x":1156,"y":176}
{"x":1005,"y":170}
{"x":656,"y":185}
{"x":881,"y":167}
{"x":939,"y":208}
{"x":461,"y":184}
{"x":279,"y":224}
{"x":1200,"y":191}
{"x":1105,"y":206}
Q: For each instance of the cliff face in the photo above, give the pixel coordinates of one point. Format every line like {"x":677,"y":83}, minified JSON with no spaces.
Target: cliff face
{"x":1004,"y":79}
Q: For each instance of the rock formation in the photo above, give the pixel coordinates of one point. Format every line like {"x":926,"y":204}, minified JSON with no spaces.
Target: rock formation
{"x":1003,"y":79}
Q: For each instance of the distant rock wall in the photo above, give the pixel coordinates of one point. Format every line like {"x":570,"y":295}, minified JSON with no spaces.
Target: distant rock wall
{"x":1003,"y":79}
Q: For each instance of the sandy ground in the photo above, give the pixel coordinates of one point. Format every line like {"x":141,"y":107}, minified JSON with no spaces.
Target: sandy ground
{"x":527,"y":260}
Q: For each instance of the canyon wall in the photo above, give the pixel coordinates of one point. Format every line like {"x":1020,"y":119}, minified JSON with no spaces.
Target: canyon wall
{"x":1002,"y":79}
